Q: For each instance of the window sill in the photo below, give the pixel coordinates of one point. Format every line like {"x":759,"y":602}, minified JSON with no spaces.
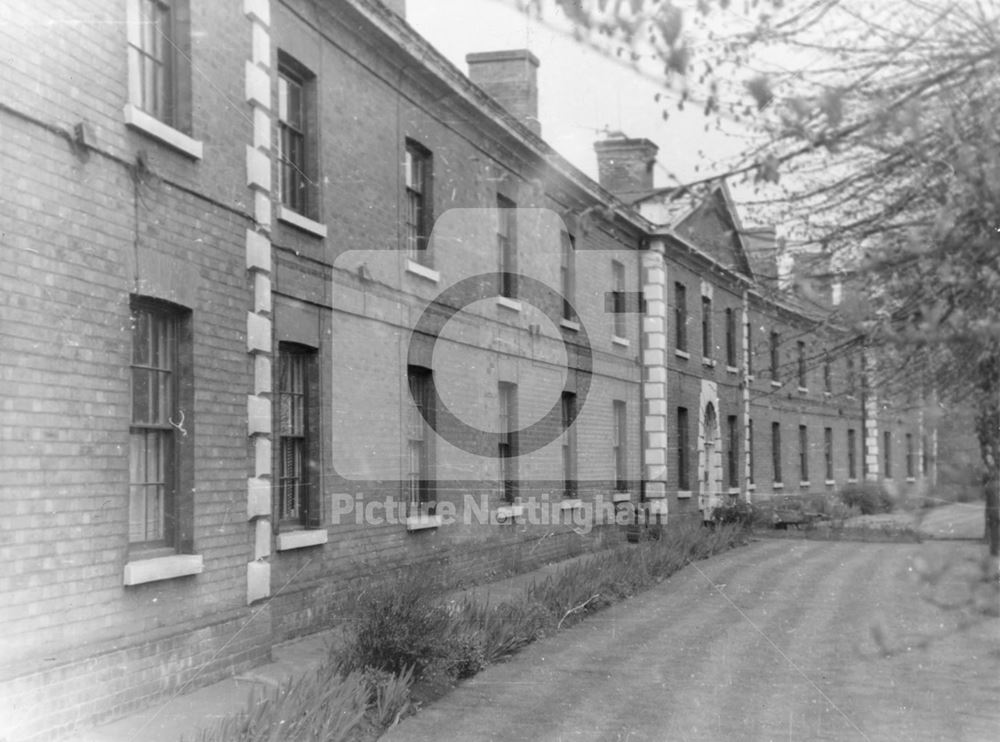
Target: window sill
{"x":805,"y":484}
{"x":162,"y":568}
{"x":733,"y":491}
{"x":619,"y":340}
{"x":682,"y":354}
{"x":304,"y":223}
{"x":732,"y":369}
{"x":300,"y":539}
{"x":778,"y":486}
{"x":853,"y":480}
{"x":423,"y":271}
{"x":751,"y":487}
{"x":775,"y":384}
{"x":710,"y":362}
{"x":570,"y":325}
{"x":751,"y":377}
{"x":571,"y":503}
{"x":423,"y":522}
{"x":621,"y":496}
{"x":911,"y":480}
{"x":830,"y":482}
{"x":138,"y":119}
{"x":507,"y":303}
{"x":507,"y":513}
{"x":803,"y":390}
{"x":683,"y":494}
{"x":827,"y":394}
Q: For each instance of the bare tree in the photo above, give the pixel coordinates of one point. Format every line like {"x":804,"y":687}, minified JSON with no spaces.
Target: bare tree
{"x":879,"y":145}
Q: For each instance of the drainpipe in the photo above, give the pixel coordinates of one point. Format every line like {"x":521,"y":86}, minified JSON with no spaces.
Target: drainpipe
{"x":745,"y":392}
{"x":864,"y":419}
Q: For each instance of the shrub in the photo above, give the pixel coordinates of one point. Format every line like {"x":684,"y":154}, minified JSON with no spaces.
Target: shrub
{"x":464,"y":653}
{"x":743,"y":514}
{"x":839,"y":511}
{"x":970,"y":494}
{"x":869,"y":497}
{"x":830,"y":506}
{"x":735,"y":513}
{"x":399,"y":625}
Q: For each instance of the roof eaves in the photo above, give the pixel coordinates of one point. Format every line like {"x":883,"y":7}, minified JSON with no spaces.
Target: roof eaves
{"x":423,"y":51}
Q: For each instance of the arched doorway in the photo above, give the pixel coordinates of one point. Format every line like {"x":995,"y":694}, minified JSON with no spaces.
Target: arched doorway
{"x":710,"y":463}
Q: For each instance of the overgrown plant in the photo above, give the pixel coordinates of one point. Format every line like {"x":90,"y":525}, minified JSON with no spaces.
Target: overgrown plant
{"x":400,"y":625}
{"x":317,"y":707}
{"x":405,"y":623}
{"x":389,"y":696}
{"x":743,"y":514}
{"x":868,"y":497}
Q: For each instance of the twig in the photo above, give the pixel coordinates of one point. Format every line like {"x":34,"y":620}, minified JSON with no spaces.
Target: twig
{"x":575,"y":609}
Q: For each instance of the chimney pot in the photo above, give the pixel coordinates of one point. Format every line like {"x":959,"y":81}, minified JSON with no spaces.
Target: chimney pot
{"x":510,"y":77}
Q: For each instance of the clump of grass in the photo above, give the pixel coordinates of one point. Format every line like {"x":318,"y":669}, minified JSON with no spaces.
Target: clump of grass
{"x":399,"y":625}
{"x":389,"y":697}
{"x":503,"y":628}
{"x":317,"y":706}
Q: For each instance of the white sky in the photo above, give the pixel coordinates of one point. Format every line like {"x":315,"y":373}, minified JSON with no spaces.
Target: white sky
{"x":581,"y":92}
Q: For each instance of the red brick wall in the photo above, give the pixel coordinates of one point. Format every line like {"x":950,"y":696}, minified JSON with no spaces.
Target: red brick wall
{"x":362,"y":201}
{"x":78,"y":229}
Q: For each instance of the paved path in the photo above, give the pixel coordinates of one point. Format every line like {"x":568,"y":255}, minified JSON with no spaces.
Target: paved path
{"x":960,"y":520}
{"x":769,"y":642}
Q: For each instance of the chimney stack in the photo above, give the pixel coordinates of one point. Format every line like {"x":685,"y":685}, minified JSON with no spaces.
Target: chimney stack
{"x":625,"y":166}
{"x":762,"y":246}
{"x":511,"y":78}
{"x":396,"y":6}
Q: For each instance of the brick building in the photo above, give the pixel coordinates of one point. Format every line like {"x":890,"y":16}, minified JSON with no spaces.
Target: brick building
{"x":239,"y":379}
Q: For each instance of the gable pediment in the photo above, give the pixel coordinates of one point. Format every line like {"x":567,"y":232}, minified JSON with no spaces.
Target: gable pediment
{"x":712,"y":228}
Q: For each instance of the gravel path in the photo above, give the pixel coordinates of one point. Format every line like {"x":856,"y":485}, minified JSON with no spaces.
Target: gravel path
{"x":769,"y":642}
